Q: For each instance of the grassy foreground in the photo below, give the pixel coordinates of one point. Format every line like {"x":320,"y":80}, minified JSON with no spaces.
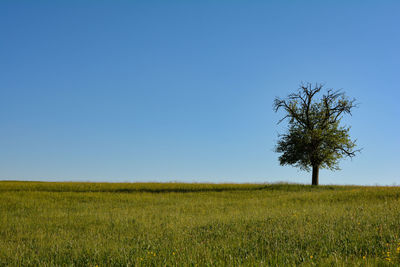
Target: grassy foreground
{"x":89,"y":224}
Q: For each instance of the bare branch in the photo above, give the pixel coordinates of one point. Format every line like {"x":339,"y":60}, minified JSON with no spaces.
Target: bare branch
{"x":288,"y":106}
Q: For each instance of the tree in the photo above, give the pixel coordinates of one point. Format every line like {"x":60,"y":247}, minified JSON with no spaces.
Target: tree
{"x":315,"y":139}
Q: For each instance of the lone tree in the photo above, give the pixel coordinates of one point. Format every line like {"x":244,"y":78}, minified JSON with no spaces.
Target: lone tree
{"x":314,"y":138}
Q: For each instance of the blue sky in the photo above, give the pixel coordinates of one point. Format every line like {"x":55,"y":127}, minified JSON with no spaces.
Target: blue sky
{"x":183,"y":90}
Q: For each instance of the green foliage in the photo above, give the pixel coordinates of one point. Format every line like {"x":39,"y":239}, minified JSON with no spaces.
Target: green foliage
{"x":315,"y":137}
{"x":297,"y":146}
{"x":89,"y":224}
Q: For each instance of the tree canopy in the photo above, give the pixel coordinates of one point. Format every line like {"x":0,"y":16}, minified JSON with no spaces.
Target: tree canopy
{"x":314,"y":138}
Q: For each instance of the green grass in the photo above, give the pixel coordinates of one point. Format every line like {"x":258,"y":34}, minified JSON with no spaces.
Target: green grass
{"x":149,"y":224}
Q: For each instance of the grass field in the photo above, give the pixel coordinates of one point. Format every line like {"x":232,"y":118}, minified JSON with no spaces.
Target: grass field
{"x":89,"y":224}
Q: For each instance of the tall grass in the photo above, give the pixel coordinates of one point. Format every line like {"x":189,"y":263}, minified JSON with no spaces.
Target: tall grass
{"x":104,"y":224}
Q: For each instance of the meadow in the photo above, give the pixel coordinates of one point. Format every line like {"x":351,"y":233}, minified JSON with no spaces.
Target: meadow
{"x":173,"y":224}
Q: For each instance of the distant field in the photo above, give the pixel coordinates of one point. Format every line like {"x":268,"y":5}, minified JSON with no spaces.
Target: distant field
{"x":89,"y":224}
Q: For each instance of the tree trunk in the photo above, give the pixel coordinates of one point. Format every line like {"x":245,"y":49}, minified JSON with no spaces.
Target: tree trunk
{"x":315,"y":174}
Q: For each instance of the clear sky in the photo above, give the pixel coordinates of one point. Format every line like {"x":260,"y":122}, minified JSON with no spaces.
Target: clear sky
{"x":183,"y":90}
